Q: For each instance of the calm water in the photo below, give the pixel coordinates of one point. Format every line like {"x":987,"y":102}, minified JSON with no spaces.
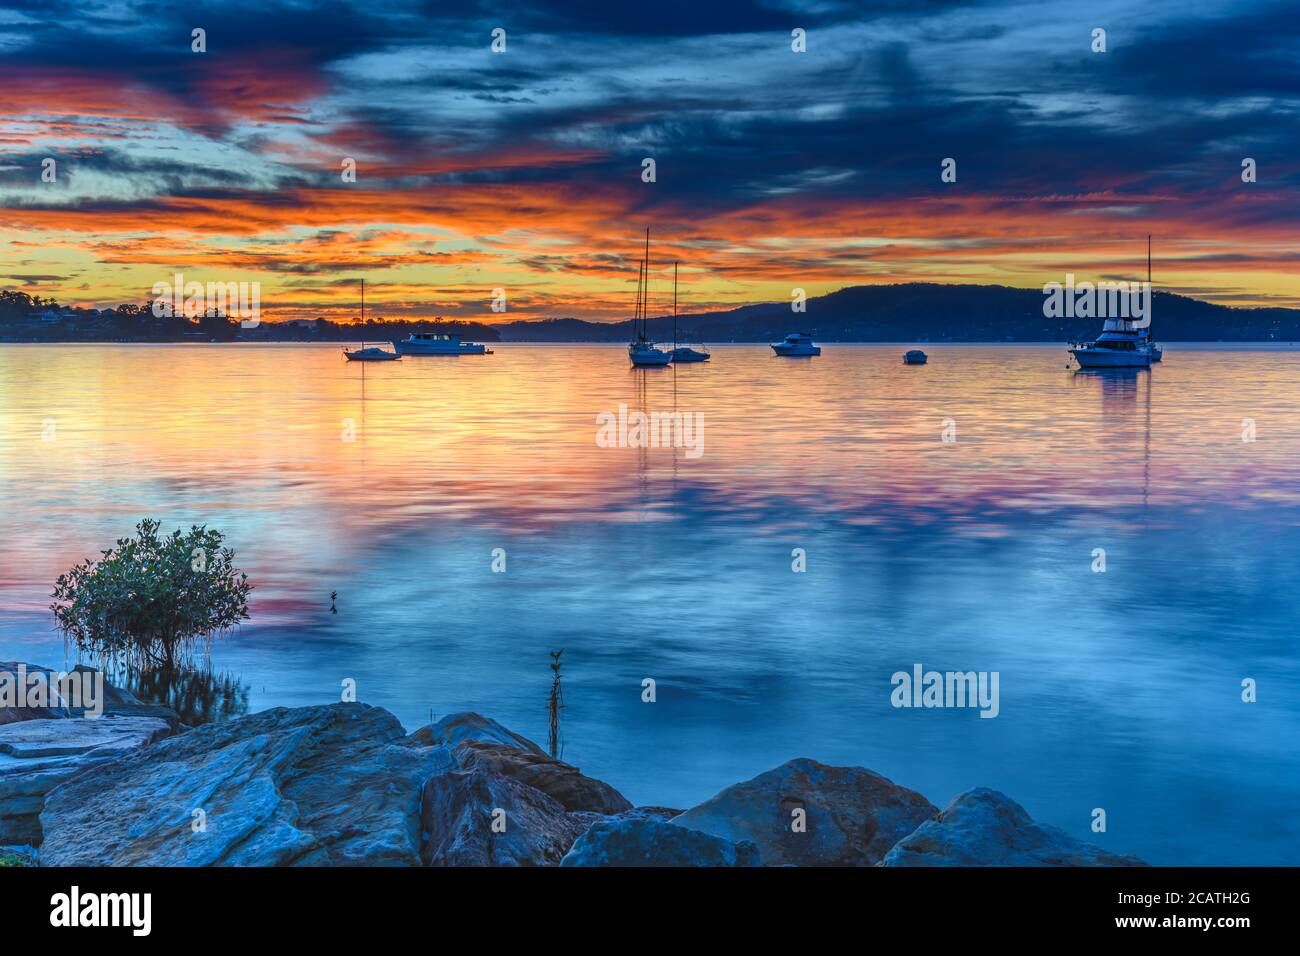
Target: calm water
{"x":1118,"y":690}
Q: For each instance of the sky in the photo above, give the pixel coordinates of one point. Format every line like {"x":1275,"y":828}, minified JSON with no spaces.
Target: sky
{"x":522,"y":170}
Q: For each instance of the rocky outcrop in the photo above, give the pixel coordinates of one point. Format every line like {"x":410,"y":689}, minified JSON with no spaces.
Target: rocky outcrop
{"x":558,"y":780}
{"x":478,"y":818}
{"x":337,"y":784}
{"x":38,"y":755}
{"x":342,"y":784}
{"x":467,"y":726}
{"x":852,"y":816}
{"x":983,"y":827}
{"x":504,"y":802}
{"x":645,"y":841}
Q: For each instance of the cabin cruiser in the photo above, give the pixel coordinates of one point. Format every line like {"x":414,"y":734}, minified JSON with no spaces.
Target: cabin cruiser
{"x":684,"y":353}
{"x":915,"y":357}
{"x":1120,"y":345}
{"x":795,"y":345}
{"x":438,"y":343}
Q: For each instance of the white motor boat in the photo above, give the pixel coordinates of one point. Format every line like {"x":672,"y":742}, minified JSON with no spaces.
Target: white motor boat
{"x":796,"y":345}
{"x":1119,"y":346}
{"x":1122,"y":343}
{"x":438,"y":343}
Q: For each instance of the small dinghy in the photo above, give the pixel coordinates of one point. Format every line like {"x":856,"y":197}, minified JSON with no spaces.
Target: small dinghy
{"x":915,"y":357}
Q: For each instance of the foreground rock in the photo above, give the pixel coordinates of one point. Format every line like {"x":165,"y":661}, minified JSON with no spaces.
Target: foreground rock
{"x":644,"y":841}
{"x":38,"y":755}
{"x":477,"y":818}
{"x":853,"y":816}
{"x":504,"y":802}
{"x":982,"y":827}
{"x":331,"y":785}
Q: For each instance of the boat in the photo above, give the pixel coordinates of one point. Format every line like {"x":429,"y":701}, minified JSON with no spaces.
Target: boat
{"x":372,"y":354}
{"x":641,"y":350}
{"x":796,"y":345}
{"x":364,"y":354}
{"x":1122,"y":344}
{"x":915,"y":357}
{"x":1119,"y":346}
{"x":684,"y":353}
{"x":438,"y":343}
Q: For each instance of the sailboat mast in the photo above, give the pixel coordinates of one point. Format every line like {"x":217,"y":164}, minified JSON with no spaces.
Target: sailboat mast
{"x":1148,"y":258}
{"x":674,"y":306}
{"x":363,"y":301}
{"x":640,"y":280}
{"x":645,"y":297}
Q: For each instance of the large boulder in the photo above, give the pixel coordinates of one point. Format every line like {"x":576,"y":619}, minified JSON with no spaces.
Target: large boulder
{"x":337,"y":784}
{"x":645,"y":841}
{"x":480,"y":743}
{"x":37,"y":755}
{"x":478,"y":818}
{"x":466,"y":726}
{"x":558,"y":780}
{"x":983,"y":827}
{"x":853,"y":816}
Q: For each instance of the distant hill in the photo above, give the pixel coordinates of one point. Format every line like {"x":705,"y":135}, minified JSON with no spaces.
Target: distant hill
{"x":926,"y":312}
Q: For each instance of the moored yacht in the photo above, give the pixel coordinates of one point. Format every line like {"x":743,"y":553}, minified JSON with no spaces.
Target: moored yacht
{"x":438,"y":343}
{"x":641,"y":350}
{"x":371,"y":354}
{"x":796,"y":345}
{"x":1120,"y":345}
{"x":684,"y":353}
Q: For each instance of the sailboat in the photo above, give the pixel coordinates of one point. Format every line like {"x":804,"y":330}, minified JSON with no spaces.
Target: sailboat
{"x":364,"y":354}
{"x":641,"y":350}
{"x":683,"y":353}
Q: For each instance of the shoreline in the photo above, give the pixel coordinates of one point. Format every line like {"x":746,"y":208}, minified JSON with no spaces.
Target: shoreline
{"x":345,"y":784}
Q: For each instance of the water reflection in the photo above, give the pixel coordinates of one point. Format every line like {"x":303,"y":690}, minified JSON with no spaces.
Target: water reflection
{"x":1119,"y":689}
{"x":198,"y":695}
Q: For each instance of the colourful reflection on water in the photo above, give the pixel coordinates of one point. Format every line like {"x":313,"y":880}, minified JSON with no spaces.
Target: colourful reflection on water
{"x":393,"y":484}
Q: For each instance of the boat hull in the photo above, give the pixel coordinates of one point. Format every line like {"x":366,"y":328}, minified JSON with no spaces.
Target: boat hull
{"x":689,"y":355}
{"x":651,"y":360}
{"x":1111,"y":358}
{"x":465,"y":348}
{"x":371,"y":355}
{"x":796,"y":351}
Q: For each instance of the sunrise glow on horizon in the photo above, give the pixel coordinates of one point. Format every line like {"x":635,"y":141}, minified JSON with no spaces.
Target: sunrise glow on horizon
{"x":522,"y":170}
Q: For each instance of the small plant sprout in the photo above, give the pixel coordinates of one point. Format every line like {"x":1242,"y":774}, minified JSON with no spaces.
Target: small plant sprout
{"x":556,"y":705}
